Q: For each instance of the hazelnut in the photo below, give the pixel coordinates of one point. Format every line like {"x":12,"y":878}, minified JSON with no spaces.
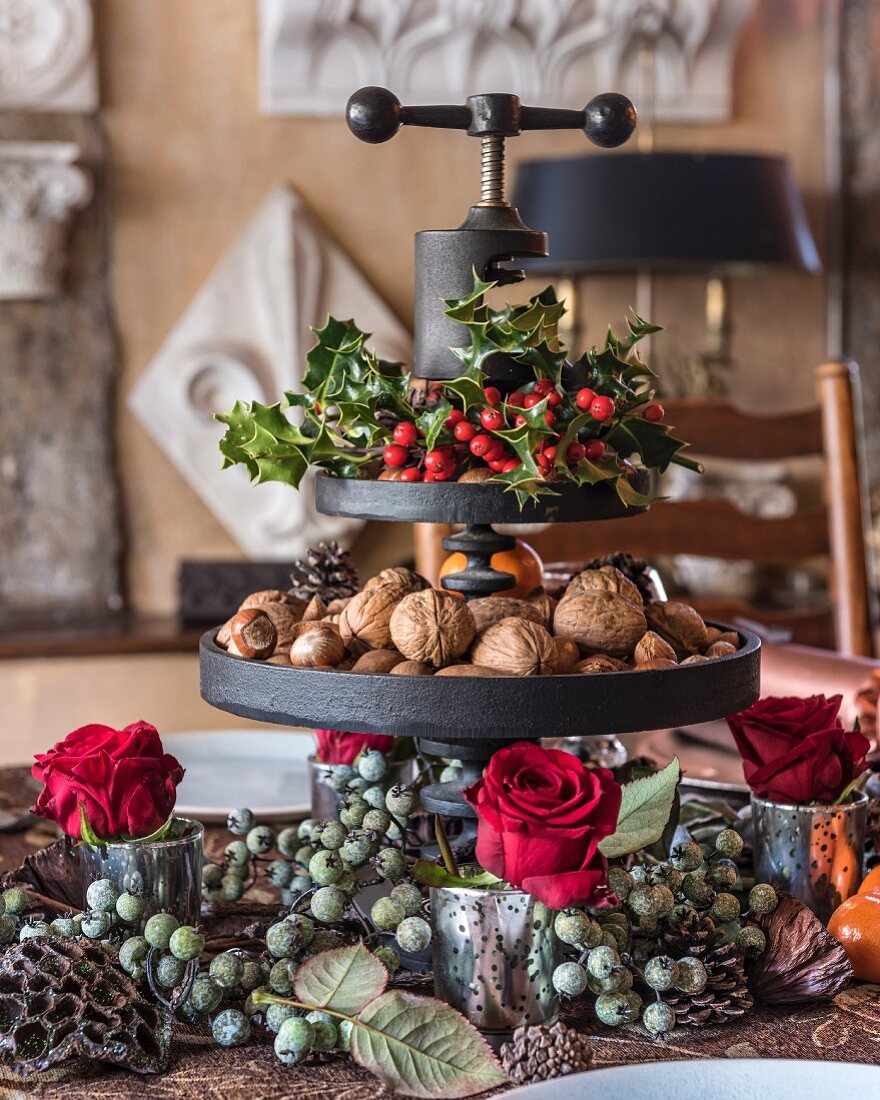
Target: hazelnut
{"x":272,"y":595}
{"x":606,"y":578}
{"x":567,"y":655}
{"x":697,"y":659}
{"x":488,"y":610}
{"x":285,"y":618}
{"x":315,"y":610}
{"x":730,"y":636}
{"x":516,"y":646}
{"x":475,"y":475}
{"x":406,"y":580}
{"x":432,"y":626}
{"x":321,"y":646}
{"x":679,"y":624}
{"x":412,"y":668}
{"x":364,"y":623}
{"x":720,"y":649}
{"x":335,"y":607}
{"x":304,"y":627}
{"x":377,"y":661}
{"x":653,"y":648}
{"x":254,"y":634}
{"x":660,"y":662}
{"x":471,"y":670}
{"x":390,"y":473}
{"x":600,"y":622}
{"x":279,"y":659}
{"x":601,"y":662}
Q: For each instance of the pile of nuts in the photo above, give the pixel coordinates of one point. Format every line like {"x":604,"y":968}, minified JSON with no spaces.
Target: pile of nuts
{"x":399,"y":624}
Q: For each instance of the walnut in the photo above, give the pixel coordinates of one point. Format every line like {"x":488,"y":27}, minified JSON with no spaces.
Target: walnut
{"x":697,"y":659}
{"x":679,"y":624}
{"x":544,"y":603}
{"x":273,"y":595}
{"x":320,"y":647}
{"x":224,"y":634}
{"x":730,"y":636}
{"x":607,"y":578}
{"x":315,"y":611}
{"x":432,"y":626}
{"x":377,"y":661}
{"x":489,"y":610}
{"x":282,"y":659}
{"x":660,"y":662}
{"x":413,"y":668}
{"x":285,"y":618}
{"x":567,"y":655}
{"x":406,"y":580}
{"x":517,"y":646}
{"x":600,"y":622}
{"x":475,"y":475}
{"x":471,"y":670}
{"x":364,"y":624}
{"x":253,"y":634}
{"x":335,"y":607}
{"x":653,"y":648}
{"x":720,"y":649}
{"x":601,"y":662}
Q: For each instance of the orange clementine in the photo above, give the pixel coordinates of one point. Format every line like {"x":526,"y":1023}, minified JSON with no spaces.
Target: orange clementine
{"x":871,"y":882}
{"x":521,"y":561}
{"x":856,"y":924}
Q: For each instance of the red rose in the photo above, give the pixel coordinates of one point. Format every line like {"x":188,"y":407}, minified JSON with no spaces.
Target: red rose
{"x":541,"y":816}
{"x":122,"y":780}
{"x":338,"y":747}
{"x":796,"y":750}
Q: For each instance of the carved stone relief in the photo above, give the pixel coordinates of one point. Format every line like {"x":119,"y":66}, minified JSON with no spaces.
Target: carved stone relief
{"x":47,"y":56}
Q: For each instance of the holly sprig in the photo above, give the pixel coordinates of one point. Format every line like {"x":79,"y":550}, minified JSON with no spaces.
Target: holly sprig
{"x":353,"y":401}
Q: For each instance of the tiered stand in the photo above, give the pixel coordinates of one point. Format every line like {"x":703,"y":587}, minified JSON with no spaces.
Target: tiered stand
{"x":469,"y":718}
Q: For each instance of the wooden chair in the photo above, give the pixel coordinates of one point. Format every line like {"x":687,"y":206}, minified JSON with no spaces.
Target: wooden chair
{"x":716,"y":528}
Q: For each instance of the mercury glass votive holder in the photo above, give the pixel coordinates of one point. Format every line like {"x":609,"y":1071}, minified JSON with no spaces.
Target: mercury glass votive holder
{"x":166,"y":873}
{"x":815,"y":852}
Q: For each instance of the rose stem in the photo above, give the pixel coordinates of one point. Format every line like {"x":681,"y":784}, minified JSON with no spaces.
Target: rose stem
{"x":444,"y":846}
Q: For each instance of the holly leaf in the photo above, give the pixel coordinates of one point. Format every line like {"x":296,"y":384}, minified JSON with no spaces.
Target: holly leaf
{"x":342,"y":980}
{"x":422,"y":1047}
{"x":631,"y":497}
{"x":429,"y":873}
{"x":644,"y":812}
{"x":651,"y":441}
{"x":469,"y":385}
{"x":432,"y":422}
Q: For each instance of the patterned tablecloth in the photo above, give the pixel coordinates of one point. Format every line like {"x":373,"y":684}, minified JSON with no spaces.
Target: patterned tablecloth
{"x":846,"y":1030}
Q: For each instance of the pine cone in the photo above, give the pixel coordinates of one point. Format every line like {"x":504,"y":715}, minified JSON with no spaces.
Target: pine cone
{"x":539,"y":1053}
{"x":726,"y":995}
{"x":326,"y":572}
{"x":64,"y":999}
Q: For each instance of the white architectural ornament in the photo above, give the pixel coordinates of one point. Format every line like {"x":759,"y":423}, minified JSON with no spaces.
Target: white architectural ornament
{"x":314,"y":53}
{"x":40,"y":187}
{"x":47,"y":55}
{"x":244,"y":337}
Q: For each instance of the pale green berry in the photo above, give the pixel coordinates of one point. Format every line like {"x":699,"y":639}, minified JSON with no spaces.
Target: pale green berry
{"x":353,"y":811}
{"x":619,"y":934}
{"x":639,"y":874}
{"x":284,"y":1054}
{"x":349,"y":884}
{"x":328,"y":904}
{"x":682,"y":913}
{"x":696,"y":889}
{"x":751,"y":940}
{"x":305,"y":928}
{"x":386,"y":914}
{"x":186,"y":943}
{"x":280,"y":873}
{"x":357,"y":848}
{"x":376,"y":821}
{"x":95,"y":926}
{"x":394,"y":833}
{"x":601,"y":961}
{"x":231,"y":888}
{"x":304,"y":853}
{"x":102,"y":895}
{"x":375,"y":797}
{"x":231,"y":1028}
{"x":634,"y":1003}
{"x":324,"y":939}
{"x":722,"y":874}
{"x":133,"y":955}
{"x":212,"y":875}
{"x":170,"y":971}
{"x":63,"y":927}
{"x":260,"y":840}
{"x":372,"y":765}
{"x":387,"y":955}
{"x":661,"y":973}
{"x":250,"y":1007}
{"x":729,"y":843}
{"x":613,"y":1009}
{"x":763,"y":898}
{"x":413,"y":934}
{"x":206,"y":994}
{"x":159,"y":929}
{"x":15,"y":900}
{"x":687,"y":856}
{"x":334,"y":835}
{"x":236,"y":854}
{"x":340,"y":777}
{"x":409,"y":897}
{"x":304,"y":829}
{"x":620,"y":881}
{"x":283,"y":939}
{"x":574,"y":927}
{"x":358,"y":784}
{"x":659,"y":1019}
{"x":402,"y":800}
{"x":297,"y":1034}
{"x":9,"y":928}
{"x":345,"y":1030}
{"x":325,"y":1031}
{"x":570,"y":978}
{"x":648,"y":926}
{"x":664,"y":874}
{"x":281,"y":976}
{"x":276,"y":1014}
{"x":691,"y":977}
{"x":325,"y":868}
{"x":240,"y":821}
{"x":288,"y":841}
{"x":226,"y":970}
{"x":33,"y":929}
{"x":450,"y":774}
{"x":725,"y":908}
{"x":390,"y":864}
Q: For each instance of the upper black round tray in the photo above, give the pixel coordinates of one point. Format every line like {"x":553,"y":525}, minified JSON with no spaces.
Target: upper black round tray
{"x":479,"y":502}
{"x":453,"y":708}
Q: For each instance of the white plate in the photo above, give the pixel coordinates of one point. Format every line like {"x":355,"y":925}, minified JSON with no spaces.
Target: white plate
{"x":266,"y":771}
{"x":712,"y":1079}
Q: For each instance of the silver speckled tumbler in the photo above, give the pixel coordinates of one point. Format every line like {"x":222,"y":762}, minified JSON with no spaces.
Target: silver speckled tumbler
{"x":494,"y":956}
{"x":813,"y":852}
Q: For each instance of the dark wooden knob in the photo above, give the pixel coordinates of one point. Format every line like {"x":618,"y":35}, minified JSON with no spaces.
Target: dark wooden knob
{"x":374,"y":114}
{"x":609,"y":119}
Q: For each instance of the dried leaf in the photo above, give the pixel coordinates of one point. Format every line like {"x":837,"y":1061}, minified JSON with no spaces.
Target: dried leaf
{"x":342,"y":980}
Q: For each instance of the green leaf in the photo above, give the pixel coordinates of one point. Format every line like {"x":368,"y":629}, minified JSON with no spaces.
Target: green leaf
{"x":432,"y":422}
{"x":159,"y":834}
{"x":651,"y":441}
{"x":421,"y":1047}
{"x":432,"y":874}
{"x":86,"y":832}
{"x":631,"y":497}
{"x":644,"y":812}
{"x":342,"y":980}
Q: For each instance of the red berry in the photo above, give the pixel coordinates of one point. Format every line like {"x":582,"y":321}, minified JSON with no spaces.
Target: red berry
{"x":429,"y":477}
{"x":395,"y":455}
{"x":436,"y":460}
{"x":519,"y":420}
{"x":543,"y":461}
{"x":447,"y":449}
{"x":602,"y":408}
{"x":454,"y":417}
{"x":492,"y":395}
{"x":480,"y":444}
{"x":554,"y":399}
{"x":405,"y":433}
{"x":550,"y":455}
{"x":497,"y":465}
{"x":543,"y":386}
{"x":492,"y":419}
{"x":550,"y":418}
{"x":411,"y":473}
{"x":445,"y":474}
{"x":510,"y":464}
{"x":516,"y":399}
{"x":585,"y":398}
{"x":464,"y":431}
{"x":654,"y":412}
{"x":530,"y":400}
{"x":496,"y":450}
{"x":575,"y":452}
{"x":434,"y":394}
{"x":594,"y":449}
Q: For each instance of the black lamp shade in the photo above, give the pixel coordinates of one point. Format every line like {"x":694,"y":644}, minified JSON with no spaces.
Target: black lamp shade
{"x":670,"y":212}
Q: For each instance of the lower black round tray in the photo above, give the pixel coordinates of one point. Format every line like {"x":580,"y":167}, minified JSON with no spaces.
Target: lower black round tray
{"x":479,"y":707}
{"x":480,"y":502}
